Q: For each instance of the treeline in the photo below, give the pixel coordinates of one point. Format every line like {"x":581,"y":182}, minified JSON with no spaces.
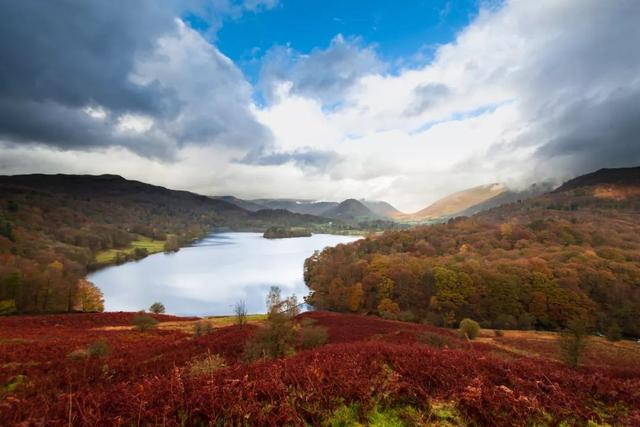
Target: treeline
{"x":52,"y":227}
{"x":534,"y":264}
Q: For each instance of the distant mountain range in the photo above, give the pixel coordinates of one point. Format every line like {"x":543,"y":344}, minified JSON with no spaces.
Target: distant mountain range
{"x":463,"y":203}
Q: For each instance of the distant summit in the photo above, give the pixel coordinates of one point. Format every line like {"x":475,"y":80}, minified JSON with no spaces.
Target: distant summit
{"x":350,"y":210}
{"x":456,"y":203}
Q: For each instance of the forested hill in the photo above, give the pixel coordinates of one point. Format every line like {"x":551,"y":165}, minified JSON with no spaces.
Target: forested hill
{"x":573,"y":253}
{"x":55,"y":227}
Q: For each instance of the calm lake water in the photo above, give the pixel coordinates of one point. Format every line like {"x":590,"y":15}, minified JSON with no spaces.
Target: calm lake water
{"x":209,"y":277}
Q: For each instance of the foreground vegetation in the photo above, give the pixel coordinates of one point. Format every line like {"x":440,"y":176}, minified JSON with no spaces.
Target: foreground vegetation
{"x":370,"y":371}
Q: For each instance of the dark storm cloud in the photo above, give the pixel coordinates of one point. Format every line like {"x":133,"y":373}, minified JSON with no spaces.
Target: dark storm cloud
{"x":597,"y":134}
{"x":78,"y":53}
{"x":58,"y":58}
{"x":583,"y":90}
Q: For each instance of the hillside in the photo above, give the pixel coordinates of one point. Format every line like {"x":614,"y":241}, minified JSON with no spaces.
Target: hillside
{"x":350,"y":211}
{"x":369,"y":372}
{"x":309,"y":207}
{"x":506,"y":197}
{"x":381,"y":208}
{"x":620,"y":177}
{"x":455,"y":203}
{"x":537,"y":264}
{"x":244,"y":204}
{"x":53,"y":228}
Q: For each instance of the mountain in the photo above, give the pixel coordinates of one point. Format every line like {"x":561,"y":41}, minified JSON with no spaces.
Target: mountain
{"x":557,"y":258}
{"x":509,"y":196}
{"x":310,"y":207}
{"x":620,"y":178}
{"x":244,"y":204}
{"x":351,"y":211}
{"x":455,"y":203}
{"x":381,"y":208}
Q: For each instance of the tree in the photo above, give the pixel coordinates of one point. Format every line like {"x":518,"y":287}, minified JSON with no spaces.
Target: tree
{"x":88,"y":297}
{"x":469,"y":328}
{"x":355,"y":297}
{"x":573,"y":341}
{"x":157,"y":308}
{"x":240,"y":310}
{"x":388,"y":309}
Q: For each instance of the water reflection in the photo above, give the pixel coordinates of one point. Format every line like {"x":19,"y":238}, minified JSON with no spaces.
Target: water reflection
{"x":212,"y":275}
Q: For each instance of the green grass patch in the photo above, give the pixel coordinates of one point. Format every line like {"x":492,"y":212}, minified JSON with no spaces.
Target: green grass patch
{"x":152,"y":246}
{"x":231,"y":320}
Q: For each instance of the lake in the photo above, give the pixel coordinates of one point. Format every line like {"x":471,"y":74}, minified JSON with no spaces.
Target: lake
{"x":212,"y":275}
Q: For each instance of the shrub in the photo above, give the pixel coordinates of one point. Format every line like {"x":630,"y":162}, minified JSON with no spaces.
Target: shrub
{"x":7,"y":306}
{"x":469,"y":328}
{"x":313,"y":336}
{"x":143,"y":322}
{"x":240,"y":310}
{"x":98,"y":349}
{"x":614,"y":332}
{"x":498,"y":333}
{"x":406,"y":316}
{"x":573,"y":342}
{"x":433,"y":340}
{"x":202,"y":327}
{"x":157,"y":308}
{"x":206,"y":365}
{"x":275,"y":339}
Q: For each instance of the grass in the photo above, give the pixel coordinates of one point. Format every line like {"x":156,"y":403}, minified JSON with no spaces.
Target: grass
{"x":231,"y":320}
{"x":152,"y":246}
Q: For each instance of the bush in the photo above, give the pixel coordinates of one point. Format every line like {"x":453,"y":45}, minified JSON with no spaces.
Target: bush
{"x":313,"y":336}
{"x":406,"y":316}
{"x":614,"y":332}
{"x":433,"y":340}
{"x":498,"y":333}
{"x":202,"y":327}
{"x":98,"y":349}
{"x":573,"y":342}
{"x":95,"y":349}
{"x":469,"y":328}
{"x":206,"y":365}
{"x":275,"y":339}
{"x":7,"y":306}
{"x":143,"y":322}
{"x":157,"y":308}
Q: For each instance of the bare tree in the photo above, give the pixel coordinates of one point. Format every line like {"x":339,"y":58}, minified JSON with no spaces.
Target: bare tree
{"x":240,"y":310}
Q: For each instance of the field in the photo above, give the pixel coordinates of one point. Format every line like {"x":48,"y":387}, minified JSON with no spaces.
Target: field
{"x":371,"y":371}
{"x":110,"y":255}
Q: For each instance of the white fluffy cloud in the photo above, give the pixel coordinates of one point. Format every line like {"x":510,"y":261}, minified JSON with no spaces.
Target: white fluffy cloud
{"x":512,"y":99}
{"x":527,"y":92}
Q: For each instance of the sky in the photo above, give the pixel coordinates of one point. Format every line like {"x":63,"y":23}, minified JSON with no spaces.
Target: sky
{"x":398,"y":101}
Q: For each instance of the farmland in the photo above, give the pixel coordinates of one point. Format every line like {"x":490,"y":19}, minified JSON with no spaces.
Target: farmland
{"x":370,"y":371}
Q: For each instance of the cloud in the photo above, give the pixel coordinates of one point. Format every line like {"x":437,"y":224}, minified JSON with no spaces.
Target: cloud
{"x":99,"y":75}
{"x":526,"y":92}
{"x":323,"y":74}
{"x":426,"y":96}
